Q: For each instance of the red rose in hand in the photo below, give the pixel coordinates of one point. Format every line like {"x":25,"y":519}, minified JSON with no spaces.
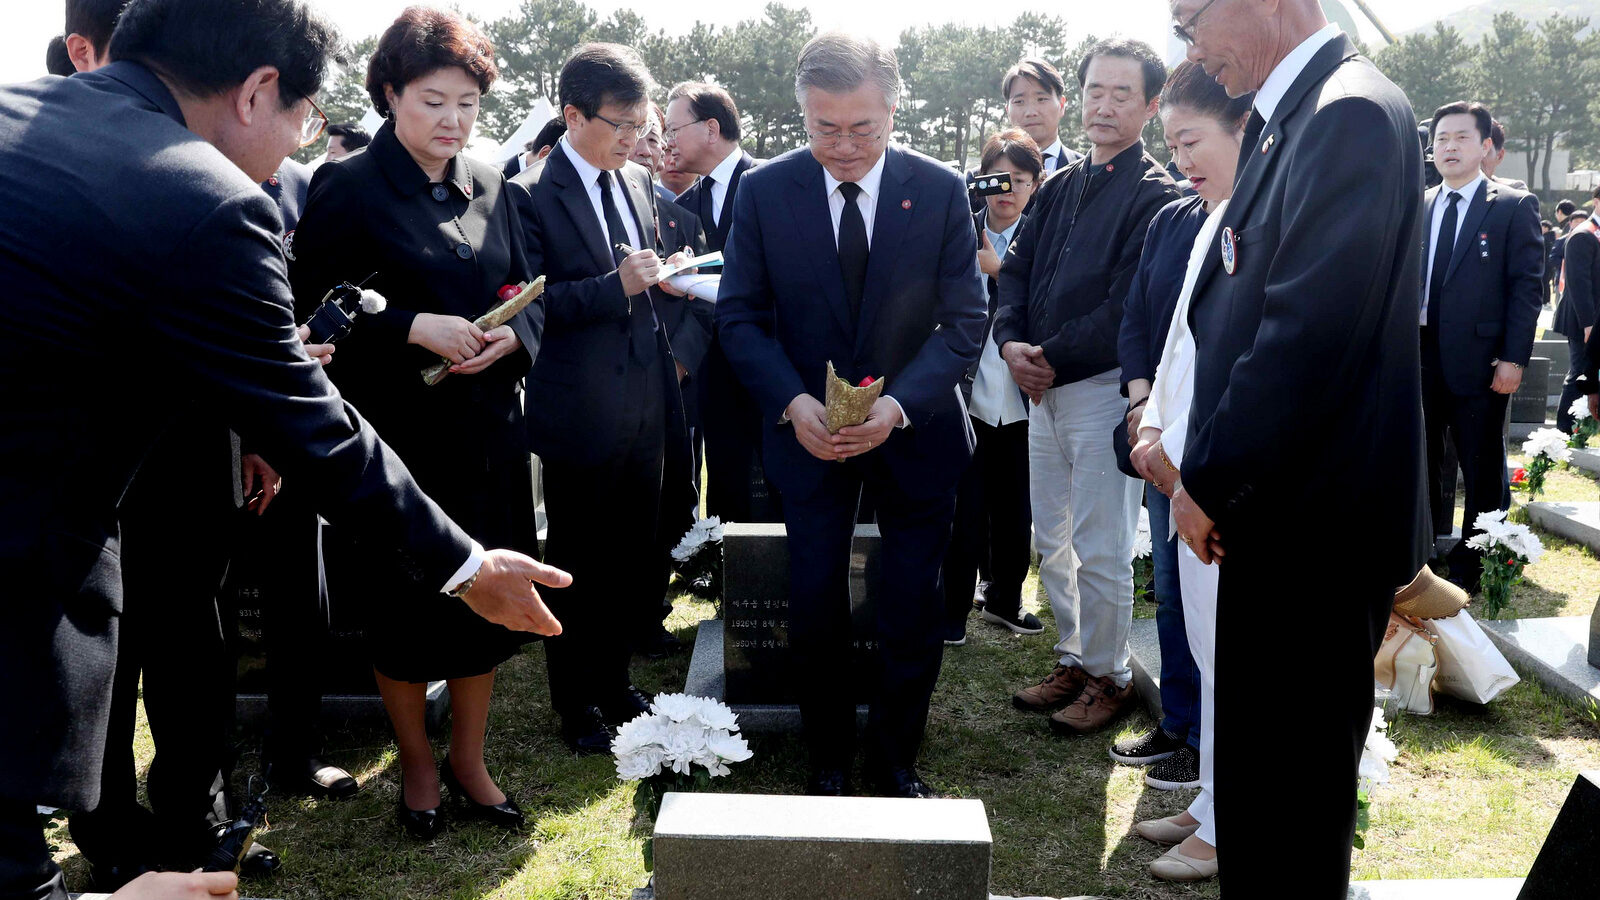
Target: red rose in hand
{"x":867,"y":381}
{"x":507,"y":292}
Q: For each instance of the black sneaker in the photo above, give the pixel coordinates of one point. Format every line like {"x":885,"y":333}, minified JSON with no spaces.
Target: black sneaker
{"x":1178,"y":771}
{"x":1150,"y":747}
{"x":1024,"y":623}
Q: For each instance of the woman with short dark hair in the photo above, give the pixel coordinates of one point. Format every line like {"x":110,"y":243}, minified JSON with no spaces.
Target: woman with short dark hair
{"x":435,"y":233}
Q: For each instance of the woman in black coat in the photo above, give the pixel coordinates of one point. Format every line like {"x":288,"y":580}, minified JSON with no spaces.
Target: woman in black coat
{"x":439,"y":238}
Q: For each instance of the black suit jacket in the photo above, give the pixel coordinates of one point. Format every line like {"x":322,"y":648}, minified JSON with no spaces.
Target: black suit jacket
{"x":697,"y":199}
{"x":689,"y":322}
{"x":1580,"y":293}
{"x":1494,"y":288}
{"x":153,"y":276}
{"x":1307,"y":411}
{"x":577,"y":391}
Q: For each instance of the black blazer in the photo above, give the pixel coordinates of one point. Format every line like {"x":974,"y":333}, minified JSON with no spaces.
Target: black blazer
{"x":1494,"y":288}
{"x":697,"y":199}
{"x":1307,"y":412}
{"x":782,"y":315}
{"x":689,"y":322}
{"x":1580,"y":293}
{"x":577,"y":390}
{"x":153,"y":276}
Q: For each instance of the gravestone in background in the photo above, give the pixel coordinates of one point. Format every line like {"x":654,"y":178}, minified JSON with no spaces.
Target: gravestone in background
{"x":755,"y":611}
{"x":1568,"y":866}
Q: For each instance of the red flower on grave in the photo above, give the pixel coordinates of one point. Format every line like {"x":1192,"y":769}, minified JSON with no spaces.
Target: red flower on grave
{"x":1519,"y":476}
{"x":867,"y":381}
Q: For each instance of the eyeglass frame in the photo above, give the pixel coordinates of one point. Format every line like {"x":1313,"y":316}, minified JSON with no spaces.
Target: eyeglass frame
{"x":834,"y":138}
{"x":321,"y":119}
{"x":639,"y":130}
{"x":1184,"y":32}
{"x":671,"y":134}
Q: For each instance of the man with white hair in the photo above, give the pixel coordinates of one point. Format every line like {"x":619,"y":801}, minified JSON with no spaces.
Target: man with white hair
{"x":1306,"y":427}
{"x":860,"y":254}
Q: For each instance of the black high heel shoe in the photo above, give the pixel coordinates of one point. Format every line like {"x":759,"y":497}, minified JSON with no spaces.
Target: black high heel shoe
{"x":506,"y":814}
{"x":424,"y":824}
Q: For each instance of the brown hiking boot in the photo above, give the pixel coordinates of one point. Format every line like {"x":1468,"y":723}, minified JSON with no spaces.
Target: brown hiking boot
{"x":1100,"y":703}
{"x":1059,"y":688}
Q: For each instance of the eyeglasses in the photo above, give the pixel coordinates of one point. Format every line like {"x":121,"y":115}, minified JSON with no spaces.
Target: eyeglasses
{"x":827,"y":140}
{"x":315,"y":122}
{"x":624,"y":129}
{"x":1185,"y":32}
{"x":672,"y":133}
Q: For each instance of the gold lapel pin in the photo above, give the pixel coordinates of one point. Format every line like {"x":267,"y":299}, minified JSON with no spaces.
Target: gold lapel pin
{"x":1267,"y":144}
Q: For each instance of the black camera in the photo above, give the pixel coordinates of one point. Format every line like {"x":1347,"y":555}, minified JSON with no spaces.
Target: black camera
{"x":336,"y":315}
{"x":988,"y":184}
{"x":233,"y":838}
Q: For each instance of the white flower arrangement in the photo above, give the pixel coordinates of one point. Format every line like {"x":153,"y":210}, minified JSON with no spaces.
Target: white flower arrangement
{"x":679,"y":733}
{"x":1514,"y":537}
{"x":1547,"y":442}
{"x":1379,"y":751}
{"x":1579,"y":409}
{"x":1142,"y":546}
{"x":704,"y":531}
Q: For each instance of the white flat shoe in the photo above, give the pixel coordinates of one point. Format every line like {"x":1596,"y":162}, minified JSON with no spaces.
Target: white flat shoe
{"x":1174,"y":866}
{"x":1164,"y":831}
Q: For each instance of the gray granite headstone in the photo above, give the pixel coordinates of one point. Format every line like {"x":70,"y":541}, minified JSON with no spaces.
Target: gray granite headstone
{"x":745,"y":847}
{"x":1530,"y":401}
{"x":755,"y":610}
{"x":1560,"y":359}
{"x":1568,"y":866}
{"x":1578,"y":522}
{"x":1594,"y":637}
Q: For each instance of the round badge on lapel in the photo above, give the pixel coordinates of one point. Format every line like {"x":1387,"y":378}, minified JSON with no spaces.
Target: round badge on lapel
{"x":905,"y":204}
{"x":1230,"y":251}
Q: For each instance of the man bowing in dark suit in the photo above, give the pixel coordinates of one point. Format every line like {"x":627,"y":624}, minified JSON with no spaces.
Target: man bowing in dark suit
{"x":186,"y":263}
{"x":604,"y":410}
{"x":1305,"y":428}
{"x":1482,"y":278}
{"x":863,"y":255}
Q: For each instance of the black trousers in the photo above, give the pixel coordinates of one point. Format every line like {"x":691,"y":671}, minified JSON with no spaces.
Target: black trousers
{"x":909,"y":615}
{"x":294,"y":626}
{"x":1569,"y":388}
{"x":993,"y":525}
{"x":175,"y":541}
{"x":1332,"y":674}
{"x":605,"y":524}
{"x":1474,"y":423}
{"x":736,"y":485}
{"x":26,"y":870}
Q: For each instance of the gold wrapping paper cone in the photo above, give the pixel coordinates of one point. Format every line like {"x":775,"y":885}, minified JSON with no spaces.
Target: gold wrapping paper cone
{"x":847,"y":404}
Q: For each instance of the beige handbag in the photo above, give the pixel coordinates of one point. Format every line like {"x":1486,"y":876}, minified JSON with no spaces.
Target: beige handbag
{"x":1407,"y":663}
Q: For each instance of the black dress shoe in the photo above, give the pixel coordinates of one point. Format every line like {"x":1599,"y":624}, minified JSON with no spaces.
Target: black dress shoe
{"x":661,"y":644}
{"x":903,"y":782}
{"x":506,"y":814}
{"x":259,"y":862}
{"x":631,"y":703}
{"x":113,"y":878}
{"x":322,"y":779}
{"x":425,"y":824}
{"x":585,"y":732}
{"x":827,"y":783}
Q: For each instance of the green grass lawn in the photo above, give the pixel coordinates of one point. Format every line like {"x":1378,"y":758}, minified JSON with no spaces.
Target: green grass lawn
{"x":1473,"y":793}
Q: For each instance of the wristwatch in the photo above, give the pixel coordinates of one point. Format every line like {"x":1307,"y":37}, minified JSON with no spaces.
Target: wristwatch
{"x":460,"y":591}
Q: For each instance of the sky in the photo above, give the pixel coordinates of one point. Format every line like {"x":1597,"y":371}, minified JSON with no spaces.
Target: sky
{"x":30,"y":24}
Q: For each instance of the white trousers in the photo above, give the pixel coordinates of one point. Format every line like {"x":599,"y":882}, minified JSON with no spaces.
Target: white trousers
{"x":1084,"y":516}
{"x":1199,"y":582}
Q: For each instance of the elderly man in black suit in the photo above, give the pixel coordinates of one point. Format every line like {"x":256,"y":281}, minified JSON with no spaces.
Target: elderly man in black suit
{"x":186,"y":257}
{"x":1484,"y":270}
{"x":1306,"y":425}
{"x":604,"y":408}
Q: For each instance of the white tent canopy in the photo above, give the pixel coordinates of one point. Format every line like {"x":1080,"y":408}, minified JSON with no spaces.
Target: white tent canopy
{"x":541,"y":113}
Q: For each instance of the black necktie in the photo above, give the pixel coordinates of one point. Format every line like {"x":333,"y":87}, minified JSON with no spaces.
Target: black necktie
{"x":852,"y":247}
{"x":1252,"y":134}
{"x":1443,"y":249}
{"x":708,"y":204}
{"x":618,"y":231}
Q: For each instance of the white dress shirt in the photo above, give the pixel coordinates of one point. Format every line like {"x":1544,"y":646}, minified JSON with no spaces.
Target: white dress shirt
{"x":473,"y":563}
{"x":1435,"y":220}
{"x":996,"y":399}
{"x":1285,"y":72}
{"x":1172,"y":393}
{"x":720,"y":176}
{"x":591,"y":183}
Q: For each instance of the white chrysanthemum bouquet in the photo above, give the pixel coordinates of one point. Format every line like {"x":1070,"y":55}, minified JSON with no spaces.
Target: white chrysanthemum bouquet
{"x":698,"y":560}
{"x":1508,"y":548}
{"x":1378,"y":752}
{"x":679,"y":745}
{"x":1143,"y":565}
{"x":1584,"y":426}
{"x":1545,"y":447}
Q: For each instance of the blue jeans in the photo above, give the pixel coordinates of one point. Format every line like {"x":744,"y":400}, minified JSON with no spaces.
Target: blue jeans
{"x":1180,"y":677}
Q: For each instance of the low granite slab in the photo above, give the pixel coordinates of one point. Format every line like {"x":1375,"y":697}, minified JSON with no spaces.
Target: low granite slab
{"x":777,"y":847}
{"x":708,"y":678}
{"x":1437,"y":889}
{"x":1555,"y":651}
{"x":1586,"y":459}
{"x":1579,"y":522}
{"x":250,"y":710}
